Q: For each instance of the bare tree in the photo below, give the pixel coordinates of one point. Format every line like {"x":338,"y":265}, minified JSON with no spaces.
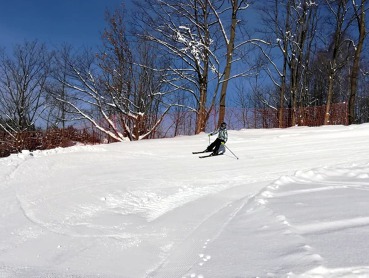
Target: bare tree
{"x":78,"y":75}
{"x":235,"y":7}
{"x":182,"y":30}
{"x":338,"y":59}
{"x":132,"y":80}
{"x":117,"y":91}
{"x":300,"y":39}
{"x":363,"y":96}
{"x":290,"y":26}
{"x":23,"y":77}
{"x":200,"y":38}
{"x":57,"y":92}
{"x":360,"y":8}
{"x":276,"y":22}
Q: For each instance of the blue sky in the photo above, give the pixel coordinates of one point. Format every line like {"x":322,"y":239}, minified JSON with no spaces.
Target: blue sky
{"x":78,"y":22}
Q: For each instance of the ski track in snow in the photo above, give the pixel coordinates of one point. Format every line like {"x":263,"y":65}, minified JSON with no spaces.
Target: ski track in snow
{"x":260,"y":202}
{"x":263,"y":203}
{"x":345,"y":179}
{"x":192,"y":250}
{"x":226,"y":210}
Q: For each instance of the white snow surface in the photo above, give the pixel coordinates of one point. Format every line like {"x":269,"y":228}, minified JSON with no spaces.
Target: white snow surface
{"x":295,"y":204}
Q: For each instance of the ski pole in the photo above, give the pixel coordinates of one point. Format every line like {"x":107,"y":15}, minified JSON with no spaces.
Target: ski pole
{"x":231,"y":151}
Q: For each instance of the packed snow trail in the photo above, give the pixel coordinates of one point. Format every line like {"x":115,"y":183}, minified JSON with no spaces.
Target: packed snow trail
{"x":152,"y":209}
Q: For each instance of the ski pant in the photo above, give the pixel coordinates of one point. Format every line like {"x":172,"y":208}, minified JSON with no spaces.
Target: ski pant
{"x":214,"y":147}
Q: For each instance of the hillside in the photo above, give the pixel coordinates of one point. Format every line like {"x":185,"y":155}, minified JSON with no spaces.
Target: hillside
{"x":295,"y":204}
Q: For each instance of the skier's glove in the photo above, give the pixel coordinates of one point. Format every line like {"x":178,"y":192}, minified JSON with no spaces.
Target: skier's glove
{"x":209,"y":134}
{"x":223,"y":142}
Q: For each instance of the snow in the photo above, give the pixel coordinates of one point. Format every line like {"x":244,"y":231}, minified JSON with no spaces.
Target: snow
{"x":294,"y":205}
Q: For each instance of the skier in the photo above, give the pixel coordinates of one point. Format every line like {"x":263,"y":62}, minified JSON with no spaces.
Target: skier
{"x":217,"y":147}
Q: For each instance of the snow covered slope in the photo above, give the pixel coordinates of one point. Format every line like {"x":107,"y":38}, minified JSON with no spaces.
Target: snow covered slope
{"x":294,"y":205}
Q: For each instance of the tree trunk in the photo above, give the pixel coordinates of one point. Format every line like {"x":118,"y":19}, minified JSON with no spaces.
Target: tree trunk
{"x":227,"y":70}
{"x":201,"y":112}
{"x":327,"y":115}
{"x":282,"y":93}
{"x":340,"y":18}
{"x":360,"y":17}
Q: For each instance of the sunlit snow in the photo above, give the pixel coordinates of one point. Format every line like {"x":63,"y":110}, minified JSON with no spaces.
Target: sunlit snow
{"x":294,"y":205}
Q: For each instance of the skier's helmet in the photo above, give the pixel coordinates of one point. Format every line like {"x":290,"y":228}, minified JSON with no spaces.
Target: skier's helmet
{"x":223,"y":125}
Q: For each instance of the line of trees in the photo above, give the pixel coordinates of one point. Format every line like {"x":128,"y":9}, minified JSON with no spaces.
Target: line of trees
{"x":319,"y":45}
{"x":173,"y":56}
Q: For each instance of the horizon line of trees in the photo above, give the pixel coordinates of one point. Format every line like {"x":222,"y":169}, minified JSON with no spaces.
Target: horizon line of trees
{"x":193,"y":56}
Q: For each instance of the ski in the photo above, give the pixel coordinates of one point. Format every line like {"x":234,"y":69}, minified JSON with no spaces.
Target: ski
{"x":210,"y":155}
{"x":205,"y":156}
{"x":199,"y":152}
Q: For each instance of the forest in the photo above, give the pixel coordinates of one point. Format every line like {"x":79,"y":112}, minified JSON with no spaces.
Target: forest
{"x":168,"y":68}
